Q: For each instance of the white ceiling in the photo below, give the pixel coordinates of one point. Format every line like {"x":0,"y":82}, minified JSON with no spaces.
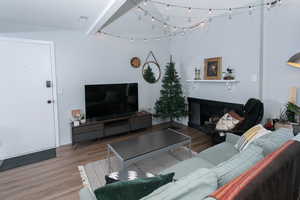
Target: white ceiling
{"x":54,"y":14}
{"x":36,"y":15}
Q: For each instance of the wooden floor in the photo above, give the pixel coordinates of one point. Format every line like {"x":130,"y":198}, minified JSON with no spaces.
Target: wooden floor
{"x":59,"y":178}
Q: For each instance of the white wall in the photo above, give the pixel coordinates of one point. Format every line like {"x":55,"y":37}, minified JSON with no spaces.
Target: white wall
{"x":282,"y":40}
{"x":84,"y":60}
{"x":237,"y":42}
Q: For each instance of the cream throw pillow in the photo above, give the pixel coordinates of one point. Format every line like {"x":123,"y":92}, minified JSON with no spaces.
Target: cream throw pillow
{"x":249,"y":136}
{"x":226,"y":123}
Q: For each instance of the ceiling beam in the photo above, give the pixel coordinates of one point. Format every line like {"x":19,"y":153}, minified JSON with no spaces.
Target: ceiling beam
{"x":114,"y":10}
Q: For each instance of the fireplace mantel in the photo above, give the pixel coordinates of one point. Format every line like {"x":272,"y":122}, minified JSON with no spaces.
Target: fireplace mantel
{"x":213,"y":81}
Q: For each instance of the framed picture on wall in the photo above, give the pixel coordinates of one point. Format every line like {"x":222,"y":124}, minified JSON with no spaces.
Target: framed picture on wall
{"x":213,"y":68}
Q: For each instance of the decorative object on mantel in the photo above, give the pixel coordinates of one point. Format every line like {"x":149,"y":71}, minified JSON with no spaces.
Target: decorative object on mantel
{"x":229,"y":74}
{"x":171,"y":103}
{"x":294,"y":61}
{"x":213,"y":68}
{"x":197,"y":74}
{"x":151,"y":69}
{"x":135,"y":62}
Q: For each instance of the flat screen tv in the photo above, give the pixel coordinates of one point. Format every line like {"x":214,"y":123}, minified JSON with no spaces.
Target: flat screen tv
{"x":110,"y":100}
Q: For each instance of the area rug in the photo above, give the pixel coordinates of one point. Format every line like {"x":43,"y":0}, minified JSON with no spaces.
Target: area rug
{"x":93,"y":173}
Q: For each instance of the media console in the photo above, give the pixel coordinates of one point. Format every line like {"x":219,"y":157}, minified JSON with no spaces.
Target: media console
{"x":99,"y":129}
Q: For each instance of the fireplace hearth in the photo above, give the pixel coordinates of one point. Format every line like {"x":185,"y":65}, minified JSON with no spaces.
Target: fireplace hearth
{"x":204,"y":114}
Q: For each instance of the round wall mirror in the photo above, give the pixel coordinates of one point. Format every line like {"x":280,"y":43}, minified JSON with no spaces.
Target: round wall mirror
{"x":151,"y":72}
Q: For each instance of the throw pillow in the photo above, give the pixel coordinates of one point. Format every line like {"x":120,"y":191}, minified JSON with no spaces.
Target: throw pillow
{"x":238,"y":164}
{"x":196,"y":185}
{"x":228,"y":121}
{"x":133,"y":190}
{"x":274,"y":140}
{"x":249,"y":136}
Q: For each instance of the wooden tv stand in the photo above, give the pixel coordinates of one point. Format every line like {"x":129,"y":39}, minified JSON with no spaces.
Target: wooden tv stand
{"x":99,"y":129}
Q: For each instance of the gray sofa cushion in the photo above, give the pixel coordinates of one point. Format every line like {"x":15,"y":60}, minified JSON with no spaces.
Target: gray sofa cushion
{"x":232,"y":138}
{"x":183,"y":168}
{"x":218,"y":153}
{"x":197,"y":185}
{"x":86,"y":194}
{"x":238,"y":164}
{"x":274,"y":140}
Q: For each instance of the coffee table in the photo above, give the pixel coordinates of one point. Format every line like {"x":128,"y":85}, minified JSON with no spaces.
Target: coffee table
{"x":146,"y":146}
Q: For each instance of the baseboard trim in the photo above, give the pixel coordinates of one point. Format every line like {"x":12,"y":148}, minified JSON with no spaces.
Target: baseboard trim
{"x":19,"y":161}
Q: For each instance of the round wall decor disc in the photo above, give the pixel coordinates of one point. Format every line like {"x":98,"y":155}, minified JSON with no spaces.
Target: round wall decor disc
{"x":135,"y":62}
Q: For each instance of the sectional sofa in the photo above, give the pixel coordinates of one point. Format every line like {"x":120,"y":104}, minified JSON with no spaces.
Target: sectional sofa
{"x":212,"y":168}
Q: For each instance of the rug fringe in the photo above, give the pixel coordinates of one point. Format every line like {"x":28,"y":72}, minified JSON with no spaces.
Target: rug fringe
{"x":84,"y":178}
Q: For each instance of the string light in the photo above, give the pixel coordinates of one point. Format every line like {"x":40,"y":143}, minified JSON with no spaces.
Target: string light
{"x":230,"y":13}
{"x":250,"y":10}
{"x":269,"y":6}
{"x":279,"y":2}
{"x":200,"y":24}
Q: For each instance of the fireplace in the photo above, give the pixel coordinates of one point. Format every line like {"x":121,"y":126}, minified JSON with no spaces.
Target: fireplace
{"x":203,"y":114}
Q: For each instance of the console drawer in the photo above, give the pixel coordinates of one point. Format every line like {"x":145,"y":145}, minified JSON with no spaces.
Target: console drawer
{"x":87,"y":136}
{"x":141,"y":122}
{"x":85,"y":129}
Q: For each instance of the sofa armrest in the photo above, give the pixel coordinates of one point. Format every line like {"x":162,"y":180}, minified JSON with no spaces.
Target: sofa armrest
{"x":86,"y":194}
{"x":232,"y":138}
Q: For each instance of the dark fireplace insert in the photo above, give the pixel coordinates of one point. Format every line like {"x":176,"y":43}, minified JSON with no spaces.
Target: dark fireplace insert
{"x":204,"y":114}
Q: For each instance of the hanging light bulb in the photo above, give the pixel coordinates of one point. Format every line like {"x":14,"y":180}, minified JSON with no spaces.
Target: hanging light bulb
{"x":152,"y":19}
{"x":269,"y":6}
{"x":165,"y":25}
{"x":189,"y":9}
{"x":145,"y":40}
{"x":202,"y":24}
{"x":250,"y":10}
{"x":175,"y":28}
{"x":230,"y":13}
{"x":210,"y":11}
{"x":168,"y":6}
{"x":145,"y":2}
{"x":131,"y":39}
{"x":279,"y":2}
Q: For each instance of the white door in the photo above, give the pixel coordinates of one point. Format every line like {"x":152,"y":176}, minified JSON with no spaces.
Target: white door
{"x":27,"y":120}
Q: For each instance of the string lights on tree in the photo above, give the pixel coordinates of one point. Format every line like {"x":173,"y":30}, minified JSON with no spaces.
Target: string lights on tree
{"x":181,"y":30}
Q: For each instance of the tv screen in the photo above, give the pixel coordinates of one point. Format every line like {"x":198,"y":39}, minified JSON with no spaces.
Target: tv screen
{"x":110,"y":100}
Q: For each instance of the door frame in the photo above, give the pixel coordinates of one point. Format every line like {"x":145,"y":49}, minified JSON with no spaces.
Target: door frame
{"x":53,"y":76}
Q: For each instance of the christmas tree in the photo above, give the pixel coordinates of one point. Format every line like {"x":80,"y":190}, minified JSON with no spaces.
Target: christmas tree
{"x":171,"y":104}
{"x":149,"y":75}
